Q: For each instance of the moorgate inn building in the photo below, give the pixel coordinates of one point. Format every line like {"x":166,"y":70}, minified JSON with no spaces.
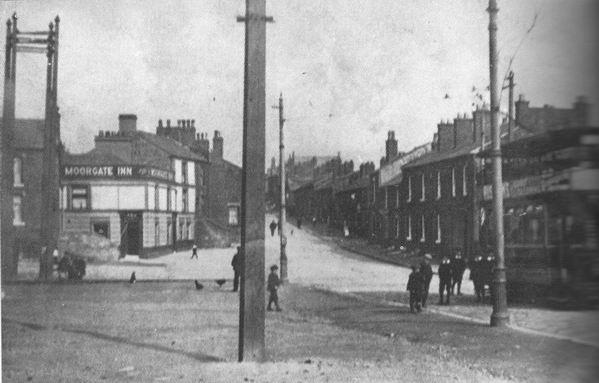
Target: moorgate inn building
{"x":137,"y":189}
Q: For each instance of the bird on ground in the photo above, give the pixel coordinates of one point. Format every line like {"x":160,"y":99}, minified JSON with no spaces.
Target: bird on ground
{"x":446,"y":96}
{"x":132,"y":279}
{"x":220,"y":282}
{"x":199,"y":286}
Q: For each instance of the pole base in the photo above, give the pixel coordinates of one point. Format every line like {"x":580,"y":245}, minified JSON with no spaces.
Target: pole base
{"x":500,"y":319}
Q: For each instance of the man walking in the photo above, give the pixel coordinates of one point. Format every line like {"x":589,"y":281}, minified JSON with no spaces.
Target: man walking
{"x":458,"y":267}
{"x":194,"y":252}
{"x":427,"y":275}
{"x":273,"y":226}
{"x":236,"y":264}
{"x":272,"y":286}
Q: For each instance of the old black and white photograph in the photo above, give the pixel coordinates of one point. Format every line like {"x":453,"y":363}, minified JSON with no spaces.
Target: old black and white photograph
{"x":299,"y":191}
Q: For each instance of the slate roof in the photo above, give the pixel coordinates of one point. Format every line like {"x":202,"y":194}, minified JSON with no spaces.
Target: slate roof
{"x":93,"y":157}
{"x":436,"y":156}
{"x":171,"y":146}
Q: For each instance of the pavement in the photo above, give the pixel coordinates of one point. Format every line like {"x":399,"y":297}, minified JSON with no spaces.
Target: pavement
{"x":319,"y":262}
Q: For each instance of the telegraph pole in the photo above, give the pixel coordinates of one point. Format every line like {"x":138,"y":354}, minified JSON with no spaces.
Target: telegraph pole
{"x":500,"y":316}
{"x":251,"y":297}
{"x":7,"y":238}
{"x":282,"y":212}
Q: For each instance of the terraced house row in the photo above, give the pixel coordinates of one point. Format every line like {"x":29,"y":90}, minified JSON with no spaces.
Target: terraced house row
{"x":437,"y":197}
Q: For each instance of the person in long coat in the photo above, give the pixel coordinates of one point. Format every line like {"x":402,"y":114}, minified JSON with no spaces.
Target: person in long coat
{"x":427,"y":275}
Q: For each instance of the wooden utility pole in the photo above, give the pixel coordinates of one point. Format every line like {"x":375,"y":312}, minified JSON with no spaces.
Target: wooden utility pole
{"x":7,"y":238}
{"x":251,"y":297}
{"x":500,"y":316}
{"x":510,"y":126}
{"x":282,"y":212}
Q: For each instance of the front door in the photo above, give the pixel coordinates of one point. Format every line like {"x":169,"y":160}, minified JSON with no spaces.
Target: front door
{"x":131,"y":233}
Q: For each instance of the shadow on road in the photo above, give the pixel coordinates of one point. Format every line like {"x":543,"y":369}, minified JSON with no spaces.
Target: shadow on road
{"x":118,"y":339}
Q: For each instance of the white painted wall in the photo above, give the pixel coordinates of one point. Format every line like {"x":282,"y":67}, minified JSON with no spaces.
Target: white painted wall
{"x":151,"y":197}
{"x":132,"y":197}
{"x":104,"y":197}
{"x":162,"y":198}
{"x":191,"y":192}
{"x":179,"y":194}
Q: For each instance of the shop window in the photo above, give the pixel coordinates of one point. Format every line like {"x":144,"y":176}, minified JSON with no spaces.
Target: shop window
{"x":189,"y":230}
{"x":17,"y":207}
{"x":233,"y":215}
{"x":180,"y":232}
{"x":18,"y":172}
{"x":101,"y":228}
{"x":79,"y":197}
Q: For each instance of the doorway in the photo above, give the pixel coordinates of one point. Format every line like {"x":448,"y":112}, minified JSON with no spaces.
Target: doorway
{"x":131,"y":233}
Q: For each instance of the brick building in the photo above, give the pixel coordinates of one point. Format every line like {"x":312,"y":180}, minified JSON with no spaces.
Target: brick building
{"x":135,"y":188}
{"x":27,"y":185}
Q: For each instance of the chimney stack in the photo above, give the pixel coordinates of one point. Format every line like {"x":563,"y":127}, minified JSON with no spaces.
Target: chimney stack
{"x":127,"y":123}
{"x":390,"y":146}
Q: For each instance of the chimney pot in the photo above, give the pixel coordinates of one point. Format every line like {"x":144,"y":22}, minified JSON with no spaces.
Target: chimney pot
{"x":127,"y":123}
{"x":193,"y":123}
{"x":168,"y":123}
{"x":160,"y":123}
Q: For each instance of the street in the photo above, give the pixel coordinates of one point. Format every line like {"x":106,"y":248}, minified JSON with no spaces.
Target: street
{"x":334,"y":327}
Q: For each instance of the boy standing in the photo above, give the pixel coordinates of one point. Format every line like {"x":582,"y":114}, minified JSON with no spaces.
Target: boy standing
{"x":415,"y":288}
{"x":272,"y":285}
{"x":194,"y":252}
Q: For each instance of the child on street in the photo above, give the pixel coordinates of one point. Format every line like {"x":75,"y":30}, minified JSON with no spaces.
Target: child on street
{"x":415,"y":285}
{"x":272,"y":285}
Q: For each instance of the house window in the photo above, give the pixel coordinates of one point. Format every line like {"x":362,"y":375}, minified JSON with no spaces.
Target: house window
{"x":409,"y":188}
{"x":168,"y":199}
{"x":397,"y":197}
{"x":464,"y":181}
{"x":79,"y":197}
{"x":409,"y":234}
{"x":453,"y":182}
{"x":438,"y":184}
{"x":184,"y":172}
{"x":422,"y":231}
{"x":233,"y":215}
{"x":396,"y":227}
{"x":189,"y":230}
{"x":156,"y":232}
{"x":18,"y":171}
{"x":422,"y":196}
{"x":101,"y":228}
{"x":438,"y":240}
{"x":17,"y":207}
{"x":181,"y":231}
{"x":185,"y":201}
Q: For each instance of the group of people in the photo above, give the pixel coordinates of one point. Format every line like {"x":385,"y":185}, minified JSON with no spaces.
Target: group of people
{"x":481,"y":274}
{"x":451,"y":272}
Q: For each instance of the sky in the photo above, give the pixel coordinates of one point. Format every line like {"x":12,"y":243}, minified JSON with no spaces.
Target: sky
{"x":349,"y":70}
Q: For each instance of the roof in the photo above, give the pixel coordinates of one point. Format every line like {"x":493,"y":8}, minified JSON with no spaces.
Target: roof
{"x":92,"y":158}
{"x":544,"y":142}
{"x":28,"y":134}
{"x":436,"y":156}
{"x":172,"y":147}
{"x":360,"y":183}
